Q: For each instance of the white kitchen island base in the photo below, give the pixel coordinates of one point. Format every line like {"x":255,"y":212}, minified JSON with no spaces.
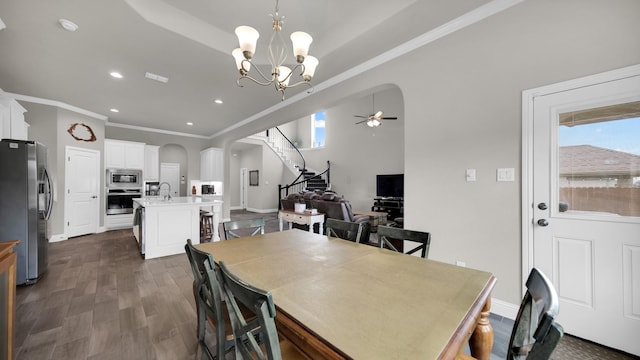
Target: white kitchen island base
{"x":166,"y":225}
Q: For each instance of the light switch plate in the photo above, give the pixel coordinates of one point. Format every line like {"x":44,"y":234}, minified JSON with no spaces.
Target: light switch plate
{"x":471,"y":174}
{"x":505,"y":174}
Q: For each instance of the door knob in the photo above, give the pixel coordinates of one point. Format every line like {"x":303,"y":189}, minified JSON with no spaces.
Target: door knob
{"x":94,"y":196}
{"x":542,"y":206}
{"x":543,"y":222}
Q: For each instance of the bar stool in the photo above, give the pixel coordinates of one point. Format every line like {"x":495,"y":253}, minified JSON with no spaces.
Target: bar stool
{"x":206,"y":226}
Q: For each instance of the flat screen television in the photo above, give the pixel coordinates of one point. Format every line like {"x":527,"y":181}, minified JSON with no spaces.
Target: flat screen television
{"x":390,"y":186}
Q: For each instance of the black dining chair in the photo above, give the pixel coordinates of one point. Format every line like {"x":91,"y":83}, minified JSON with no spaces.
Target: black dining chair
{"x":342,"y":229}
{"x":238,"y":292}
{"x":248,"y":227}
{"x":209,"y":305}
{"x":388,"y":235}
{"x":535,"y":333}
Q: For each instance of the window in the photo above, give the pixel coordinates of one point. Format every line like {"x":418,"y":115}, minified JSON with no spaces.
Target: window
{"x":317,"y":129}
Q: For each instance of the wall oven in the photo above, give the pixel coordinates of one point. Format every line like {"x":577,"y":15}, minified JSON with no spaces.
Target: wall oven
{"x":120,"y":201}
{"x":123,"y":185}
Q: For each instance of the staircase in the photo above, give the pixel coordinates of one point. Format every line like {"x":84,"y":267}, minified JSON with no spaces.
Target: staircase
{"x":314,"y":182}
{"x":306,"y":179}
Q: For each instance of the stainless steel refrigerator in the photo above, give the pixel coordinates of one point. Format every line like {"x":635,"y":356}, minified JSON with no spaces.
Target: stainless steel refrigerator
{"x":25,"y":205}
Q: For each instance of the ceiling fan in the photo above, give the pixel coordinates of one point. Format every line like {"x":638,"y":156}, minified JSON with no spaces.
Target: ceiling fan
{"x":375,"y":119}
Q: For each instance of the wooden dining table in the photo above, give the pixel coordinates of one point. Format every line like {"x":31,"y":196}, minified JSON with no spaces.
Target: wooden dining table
{"x":336,"y":299}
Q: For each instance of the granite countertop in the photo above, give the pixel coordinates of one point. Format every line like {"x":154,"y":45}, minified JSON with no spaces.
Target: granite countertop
{"x":175,"y":201}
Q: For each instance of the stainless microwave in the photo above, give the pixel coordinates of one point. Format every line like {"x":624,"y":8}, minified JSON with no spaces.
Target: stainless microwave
{"x":124,"y":178}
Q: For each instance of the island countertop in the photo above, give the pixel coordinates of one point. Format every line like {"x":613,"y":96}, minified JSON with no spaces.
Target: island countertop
{"x":176,"y":201}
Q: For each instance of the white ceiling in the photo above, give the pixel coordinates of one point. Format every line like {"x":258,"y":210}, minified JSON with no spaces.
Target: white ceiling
{"x":188,"y":41}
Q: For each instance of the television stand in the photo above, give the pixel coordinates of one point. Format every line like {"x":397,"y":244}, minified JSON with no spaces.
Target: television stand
{"x":393,"y":206}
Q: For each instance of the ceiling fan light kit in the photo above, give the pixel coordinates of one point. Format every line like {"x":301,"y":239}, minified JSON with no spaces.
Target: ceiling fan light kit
{"x":375,"y":119}
{"x":280,"y":75}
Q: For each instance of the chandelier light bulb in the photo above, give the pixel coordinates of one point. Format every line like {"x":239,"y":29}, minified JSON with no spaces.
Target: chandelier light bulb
{"x":239,"y":57}
{"x":301,"y":42}
{"x":310,"y":63}
{"x":283,"y":75}
{"x":247,"y":38}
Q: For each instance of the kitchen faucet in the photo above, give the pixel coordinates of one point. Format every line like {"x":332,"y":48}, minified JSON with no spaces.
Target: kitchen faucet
{"x":168,"y":196}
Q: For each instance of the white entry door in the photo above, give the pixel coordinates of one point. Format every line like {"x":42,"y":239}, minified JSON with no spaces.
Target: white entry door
{"x":584,"y":219}
{"x":170,"y":173}
{"x":82,"y":186}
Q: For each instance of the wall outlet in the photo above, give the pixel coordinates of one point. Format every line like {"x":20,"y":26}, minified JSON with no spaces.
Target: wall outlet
{"x":460,"y":263}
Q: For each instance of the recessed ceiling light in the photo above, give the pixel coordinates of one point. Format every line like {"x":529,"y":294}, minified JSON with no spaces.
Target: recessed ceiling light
{"x":190,"y":123}
{"x":116,"y":75}
{"x":68,"y":25}
{"x":218,"y":101}
{"x":114,"y":110}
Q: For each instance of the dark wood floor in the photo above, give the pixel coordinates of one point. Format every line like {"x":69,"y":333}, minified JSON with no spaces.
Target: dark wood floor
{"x":100,"y":300}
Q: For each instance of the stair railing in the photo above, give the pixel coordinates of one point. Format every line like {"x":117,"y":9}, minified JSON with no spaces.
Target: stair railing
{"x":300,"y":185}
{"x":286,"y":150}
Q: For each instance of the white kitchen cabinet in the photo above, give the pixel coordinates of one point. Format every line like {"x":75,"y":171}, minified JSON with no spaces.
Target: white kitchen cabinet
{"x":151,"y":163}
{"x":212,"y":164}
{"x":123,"y":154}
{"x":12,"y":124}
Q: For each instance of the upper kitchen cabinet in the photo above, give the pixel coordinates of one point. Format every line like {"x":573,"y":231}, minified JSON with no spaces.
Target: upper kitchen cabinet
{"x":212,"y":164}
{"x":12,"y":124}
{"x":123,"y":154}
{"x":151,"y":163}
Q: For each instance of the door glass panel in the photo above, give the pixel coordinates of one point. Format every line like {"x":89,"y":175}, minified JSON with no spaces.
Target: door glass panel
{"x":599,"y":161}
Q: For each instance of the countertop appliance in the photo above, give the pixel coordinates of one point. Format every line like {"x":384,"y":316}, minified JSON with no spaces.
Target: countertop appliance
{"x":152,"y":188}
{"x":26,"y":201}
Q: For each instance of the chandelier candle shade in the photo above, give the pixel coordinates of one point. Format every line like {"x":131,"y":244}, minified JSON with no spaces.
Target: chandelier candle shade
{"x":280,"y":75}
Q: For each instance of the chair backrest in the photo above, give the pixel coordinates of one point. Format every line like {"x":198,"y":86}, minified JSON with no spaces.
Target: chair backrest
{"x":208,"y":296}
{"x":386,"y":234}
{"x":231,"y":227}
{"x":261,"y":302}
{"x":344,"y":229}
{"x":535,"y":333}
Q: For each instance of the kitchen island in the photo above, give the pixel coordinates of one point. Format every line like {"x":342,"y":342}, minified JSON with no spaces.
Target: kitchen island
{"x":162,"y":227}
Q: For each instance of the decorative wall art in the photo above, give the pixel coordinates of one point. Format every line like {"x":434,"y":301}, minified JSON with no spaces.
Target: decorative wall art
{"x":82,"y":132}
{"x":253,"y":178}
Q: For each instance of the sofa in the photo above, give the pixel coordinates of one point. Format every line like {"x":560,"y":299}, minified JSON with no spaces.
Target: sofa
{"x":330,"y":204}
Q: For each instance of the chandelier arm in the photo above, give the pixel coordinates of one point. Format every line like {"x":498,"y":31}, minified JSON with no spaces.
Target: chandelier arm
{"x":302,"y":83}
{"x":268,"y":80}
{"x":267,"y":83}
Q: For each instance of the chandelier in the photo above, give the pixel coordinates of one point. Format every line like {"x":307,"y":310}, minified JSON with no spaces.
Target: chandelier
{"x":280,"y":75}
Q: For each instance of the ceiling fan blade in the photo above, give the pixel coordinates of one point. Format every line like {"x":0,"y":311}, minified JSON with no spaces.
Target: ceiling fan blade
{"x":389,"y":118}
{"x":361,"y":116}
{"x":360,"y":122}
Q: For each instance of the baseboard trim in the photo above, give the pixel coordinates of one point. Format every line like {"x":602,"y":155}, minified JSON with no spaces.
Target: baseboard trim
{"x":63,"y":237}
{"x":58,"y":238}
{"x":262,"y":211}
{"x":504,"y":309}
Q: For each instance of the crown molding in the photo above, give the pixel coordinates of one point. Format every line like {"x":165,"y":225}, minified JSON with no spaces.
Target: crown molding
{"x":57,"y":104}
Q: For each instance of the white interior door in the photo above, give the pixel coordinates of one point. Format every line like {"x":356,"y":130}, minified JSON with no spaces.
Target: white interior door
{"x":244,"y":182}
{"x":82,"y":186}
{"x":170,"y":173}
{"x":585,"y":205}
